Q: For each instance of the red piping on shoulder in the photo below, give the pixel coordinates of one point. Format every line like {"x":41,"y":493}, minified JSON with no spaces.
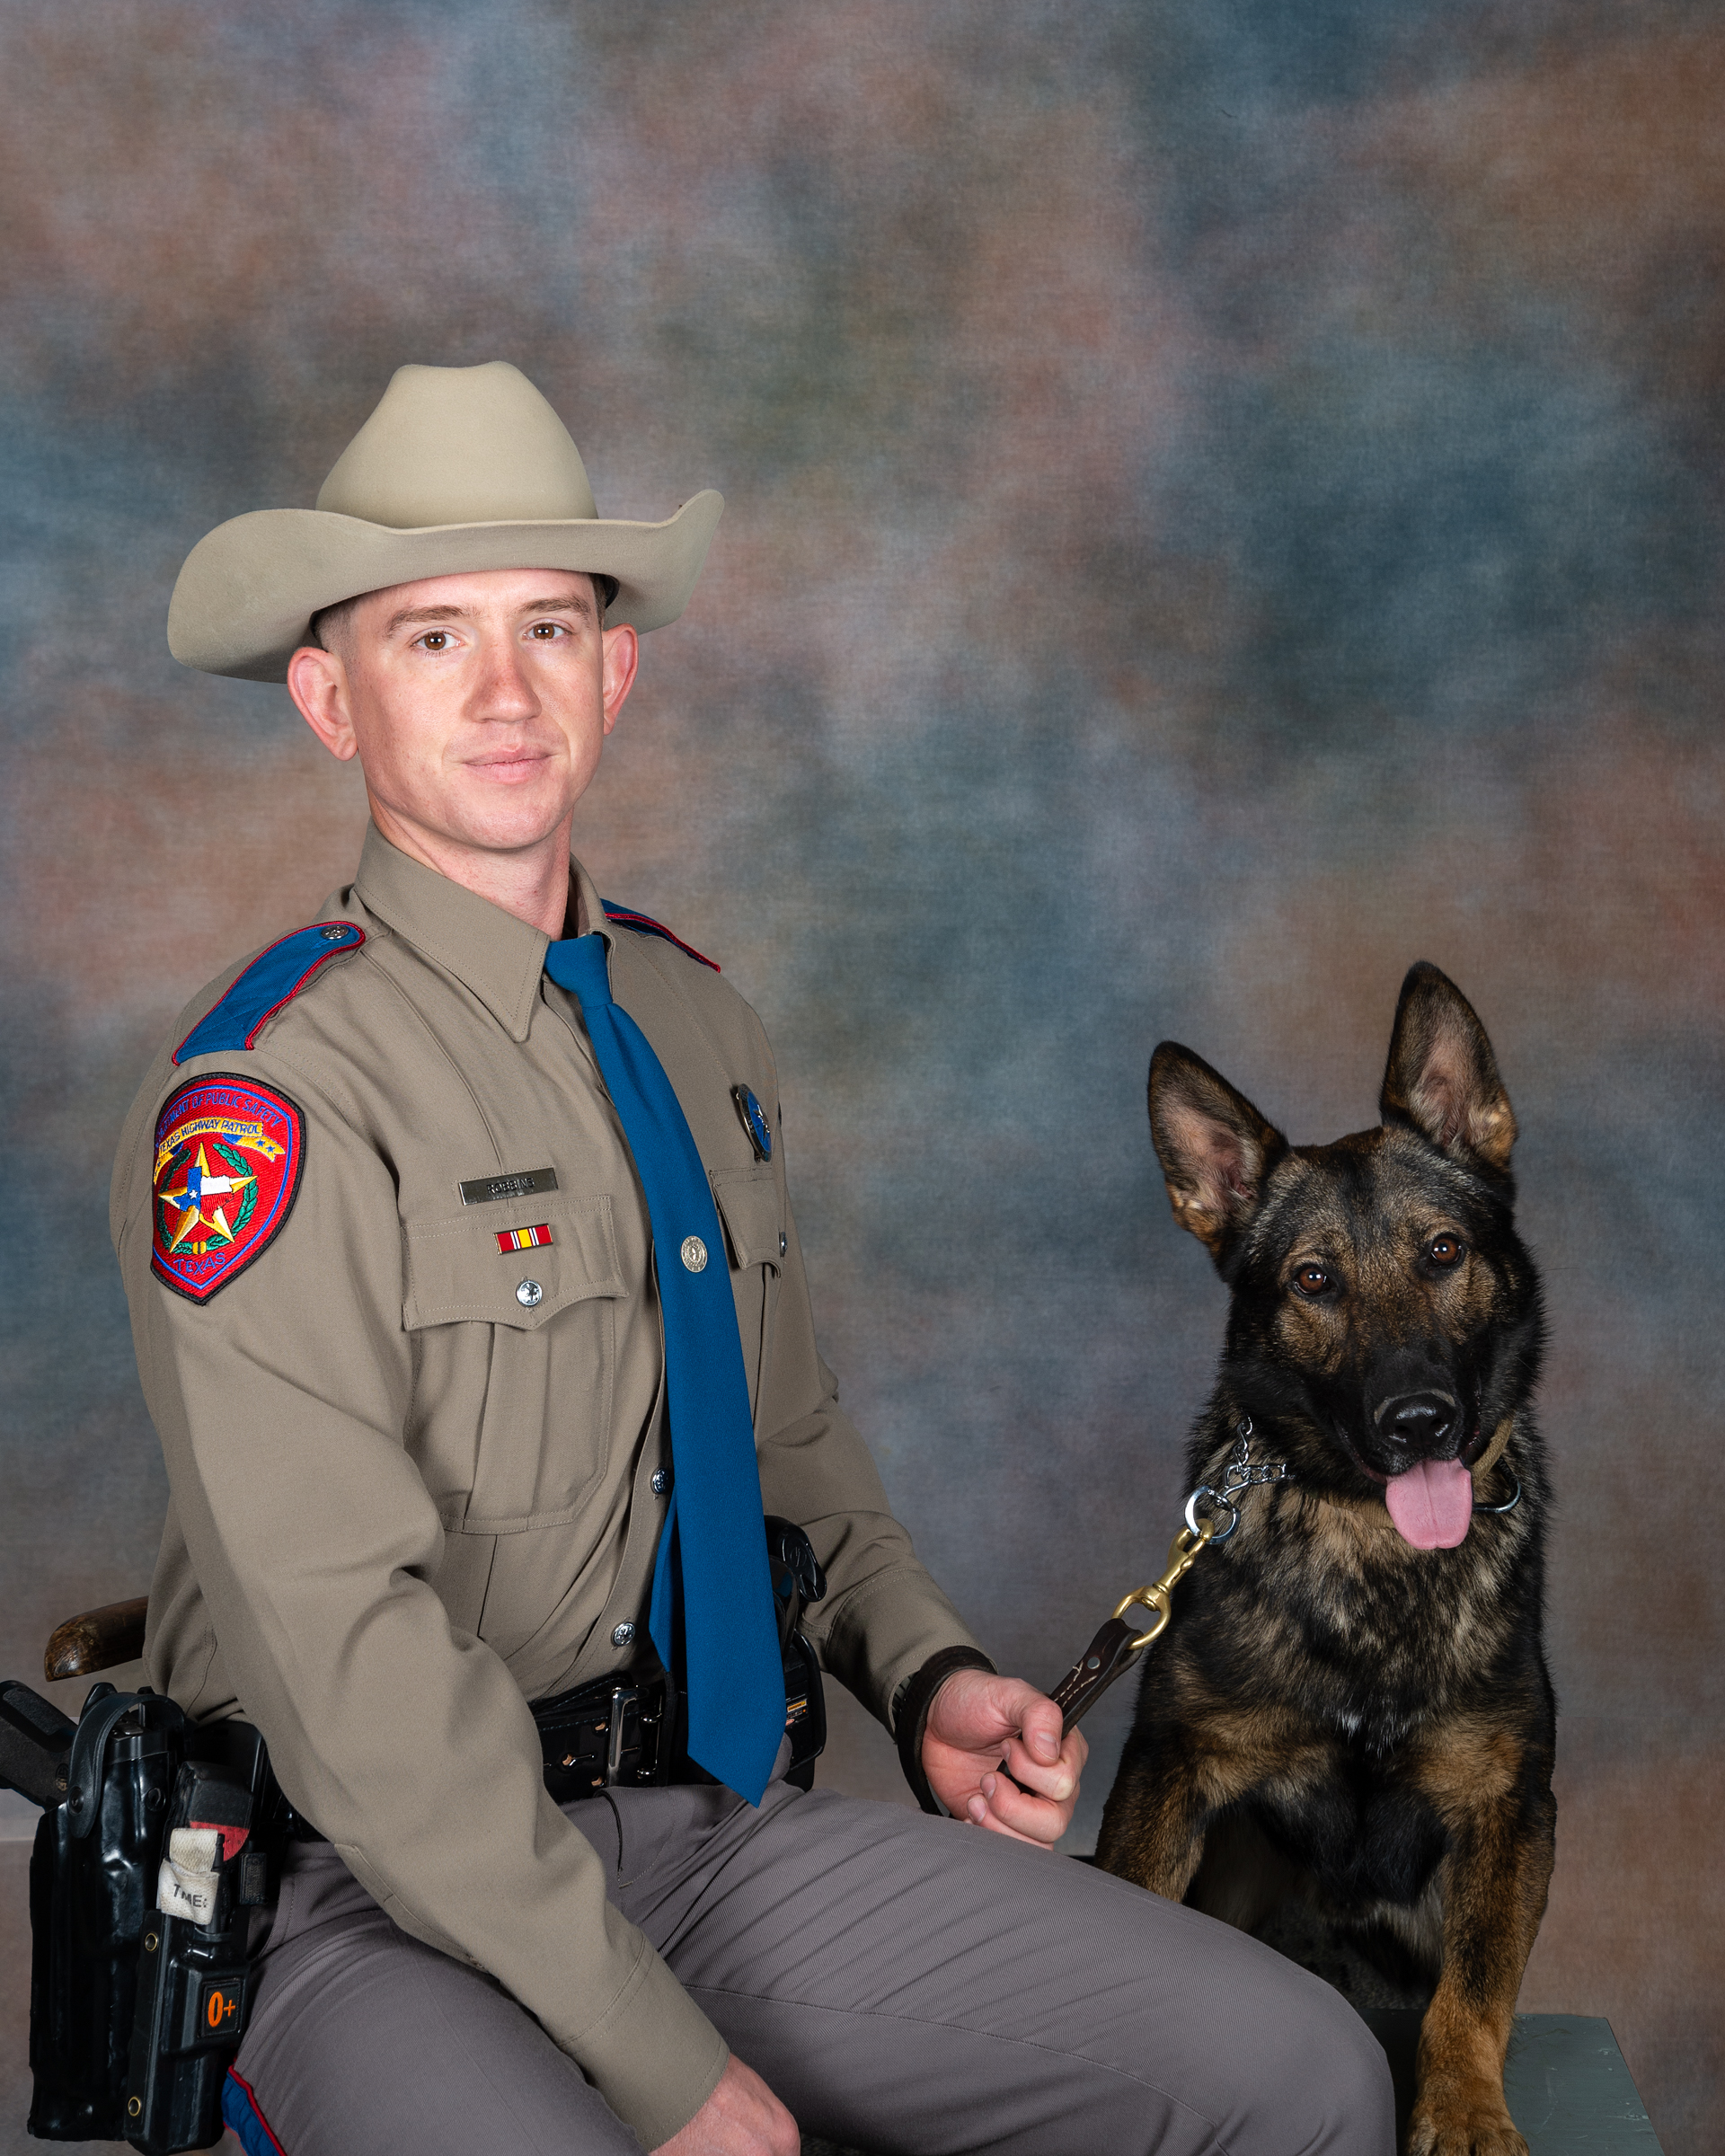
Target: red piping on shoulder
{"x":625,"y":917}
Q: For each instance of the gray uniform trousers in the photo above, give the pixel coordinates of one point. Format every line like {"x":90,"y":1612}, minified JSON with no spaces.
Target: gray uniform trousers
{"x":903,"y":1984}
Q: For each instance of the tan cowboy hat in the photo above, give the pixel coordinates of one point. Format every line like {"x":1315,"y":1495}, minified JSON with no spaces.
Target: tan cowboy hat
{"x":459,"y":468}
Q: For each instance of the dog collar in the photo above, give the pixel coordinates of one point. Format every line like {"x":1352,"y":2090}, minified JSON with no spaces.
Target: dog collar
{"x":1243,"y":1472}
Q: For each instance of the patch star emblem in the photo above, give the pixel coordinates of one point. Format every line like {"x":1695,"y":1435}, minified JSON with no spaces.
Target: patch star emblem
{"x":227,"y":1160}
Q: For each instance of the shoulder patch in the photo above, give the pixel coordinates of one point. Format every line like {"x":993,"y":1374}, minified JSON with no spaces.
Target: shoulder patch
{"x":624,"y":916}
{"x":274,"y":977}
{"x":228,"y":1153}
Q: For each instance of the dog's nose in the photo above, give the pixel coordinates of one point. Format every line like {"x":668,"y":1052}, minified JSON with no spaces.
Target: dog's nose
{"x":1422,"y":1421}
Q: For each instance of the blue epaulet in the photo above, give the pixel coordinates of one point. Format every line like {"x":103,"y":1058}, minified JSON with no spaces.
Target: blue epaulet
{"x":274,"y":977}
{"x":625,"y":916}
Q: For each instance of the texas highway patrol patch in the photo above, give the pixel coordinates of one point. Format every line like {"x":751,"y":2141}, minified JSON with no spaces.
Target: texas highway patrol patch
{"x":227,"y":1160}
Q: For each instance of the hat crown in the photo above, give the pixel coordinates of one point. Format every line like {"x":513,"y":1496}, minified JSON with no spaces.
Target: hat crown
{"x":457,"y":445}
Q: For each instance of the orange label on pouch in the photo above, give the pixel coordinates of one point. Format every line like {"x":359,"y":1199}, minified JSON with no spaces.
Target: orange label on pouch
{"x":524,"y":1239}
{"x":223,"y":2005}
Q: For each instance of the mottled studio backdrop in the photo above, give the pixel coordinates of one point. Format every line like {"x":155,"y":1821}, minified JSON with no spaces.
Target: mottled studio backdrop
{"x":1224,"y":500}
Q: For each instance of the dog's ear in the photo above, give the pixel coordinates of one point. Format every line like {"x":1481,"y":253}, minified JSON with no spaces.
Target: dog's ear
{"x":1442,"y":1076}
{"x":1214,"y":1148}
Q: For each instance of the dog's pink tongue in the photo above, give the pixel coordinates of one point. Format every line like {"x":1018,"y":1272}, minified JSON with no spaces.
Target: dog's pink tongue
{"x":1432,"y":1505}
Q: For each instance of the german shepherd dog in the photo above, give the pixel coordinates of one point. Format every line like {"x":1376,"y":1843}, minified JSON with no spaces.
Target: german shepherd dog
{"x":1351,"y":1702}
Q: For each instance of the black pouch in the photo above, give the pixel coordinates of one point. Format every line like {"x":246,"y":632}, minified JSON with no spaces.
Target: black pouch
{"x":195,"y":1975}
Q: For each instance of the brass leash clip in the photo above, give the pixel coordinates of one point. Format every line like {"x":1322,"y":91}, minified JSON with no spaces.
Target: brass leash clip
{"x":1118,"y":1643}
{"x":1182,"y":1555}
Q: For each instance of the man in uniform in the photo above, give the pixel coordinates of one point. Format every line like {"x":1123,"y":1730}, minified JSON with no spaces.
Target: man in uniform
{"x":422,"y":1212}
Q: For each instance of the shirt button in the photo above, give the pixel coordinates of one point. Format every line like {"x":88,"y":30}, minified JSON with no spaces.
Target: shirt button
{"x":661,"y":1481}
{"x":621,"y":1635}
{"x":781,"y":1242}
{"x":529,"y":1294}
{"x":694,"y":1254}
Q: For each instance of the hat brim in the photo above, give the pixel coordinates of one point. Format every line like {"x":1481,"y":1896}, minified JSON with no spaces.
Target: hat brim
{"x":244,"y":602}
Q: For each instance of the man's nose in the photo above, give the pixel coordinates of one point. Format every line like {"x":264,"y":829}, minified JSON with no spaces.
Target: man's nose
{"x":505,"y":687}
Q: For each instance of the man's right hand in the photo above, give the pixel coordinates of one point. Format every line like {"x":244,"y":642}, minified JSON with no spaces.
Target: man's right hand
{"x":741,"y":2117}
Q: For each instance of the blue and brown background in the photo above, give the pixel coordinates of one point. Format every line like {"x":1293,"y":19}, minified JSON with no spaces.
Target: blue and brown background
{"x":1224,"y":500}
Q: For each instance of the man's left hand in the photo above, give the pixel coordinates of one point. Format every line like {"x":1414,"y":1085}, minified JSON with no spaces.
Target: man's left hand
{"x":977,"y":1722}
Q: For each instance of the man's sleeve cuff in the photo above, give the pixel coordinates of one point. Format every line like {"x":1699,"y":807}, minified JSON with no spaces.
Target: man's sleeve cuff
{"x":910,"y":1713}
{"x":655,"y":2057}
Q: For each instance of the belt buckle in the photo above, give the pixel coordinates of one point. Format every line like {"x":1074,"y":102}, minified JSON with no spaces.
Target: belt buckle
{"x":635,"y":1742}
{"x":623,"y":1698}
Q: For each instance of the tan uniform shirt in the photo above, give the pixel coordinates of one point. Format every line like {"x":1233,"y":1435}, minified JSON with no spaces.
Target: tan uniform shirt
{"x":405,"y":1502}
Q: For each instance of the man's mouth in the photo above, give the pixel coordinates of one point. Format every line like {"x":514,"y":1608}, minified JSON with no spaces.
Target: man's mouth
{"x":512,"y":767}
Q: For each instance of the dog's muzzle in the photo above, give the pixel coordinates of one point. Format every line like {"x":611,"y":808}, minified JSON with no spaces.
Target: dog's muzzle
{"x":1419,"y":1426}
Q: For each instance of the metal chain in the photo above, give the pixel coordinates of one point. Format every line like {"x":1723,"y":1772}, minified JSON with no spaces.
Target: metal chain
{"x":1240,"y":1474}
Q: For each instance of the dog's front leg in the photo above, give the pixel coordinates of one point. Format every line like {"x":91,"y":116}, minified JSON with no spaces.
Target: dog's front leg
{"x":1168,"y":1789}
{"x":1153,"y":1825}
{"x":1494,"y":1880}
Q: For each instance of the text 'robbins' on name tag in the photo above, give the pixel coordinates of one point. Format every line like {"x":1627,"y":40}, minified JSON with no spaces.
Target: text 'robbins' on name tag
{"x":518,"y":1182}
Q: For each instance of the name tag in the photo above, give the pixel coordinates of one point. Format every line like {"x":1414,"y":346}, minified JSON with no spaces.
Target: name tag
{"x":519,"y":1182}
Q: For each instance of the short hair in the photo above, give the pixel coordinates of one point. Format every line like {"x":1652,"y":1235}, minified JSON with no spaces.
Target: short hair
{"x":329,"y":625}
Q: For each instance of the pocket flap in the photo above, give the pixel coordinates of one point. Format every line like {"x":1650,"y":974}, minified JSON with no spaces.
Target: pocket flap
{"x":455,"y":1272}
{"x":748,"y":1204}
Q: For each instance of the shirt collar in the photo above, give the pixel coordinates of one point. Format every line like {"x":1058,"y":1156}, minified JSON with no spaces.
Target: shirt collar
{"x":501,"y":958}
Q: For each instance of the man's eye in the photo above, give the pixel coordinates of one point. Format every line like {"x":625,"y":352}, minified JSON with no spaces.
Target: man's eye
{"x":544,"y":633}
{"x":436,"y":640}
{"x":1313,"y":1280}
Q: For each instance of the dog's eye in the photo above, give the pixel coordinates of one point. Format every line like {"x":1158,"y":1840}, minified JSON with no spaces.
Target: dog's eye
{"x":1443,"y":1249}
{"x":1313,"y":1280}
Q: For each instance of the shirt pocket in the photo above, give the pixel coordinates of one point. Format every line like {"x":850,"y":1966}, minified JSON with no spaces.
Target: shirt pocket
{"x":752,"y":1209}
{"x":516,"y":1354}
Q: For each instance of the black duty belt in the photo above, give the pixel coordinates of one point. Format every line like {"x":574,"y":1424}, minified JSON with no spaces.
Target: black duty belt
{"x":620,"y":1732}
{"x":612,"y":1733}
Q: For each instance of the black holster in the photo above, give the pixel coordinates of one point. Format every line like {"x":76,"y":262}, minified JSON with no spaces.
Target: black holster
{"x":798,"y":1580}
{"x":135,"y":2017}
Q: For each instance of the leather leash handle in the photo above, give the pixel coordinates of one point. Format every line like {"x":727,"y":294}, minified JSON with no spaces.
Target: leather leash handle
{"x":1106,"y":1658}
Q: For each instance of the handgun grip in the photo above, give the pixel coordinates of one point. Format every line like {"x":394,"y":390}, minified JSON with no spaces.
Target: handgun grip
{"x":35,"y":1744}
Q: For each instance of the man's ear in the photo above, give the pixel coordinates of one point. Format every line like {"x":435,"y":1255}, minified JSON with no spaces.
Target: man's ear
{"x":317,"y":680}
{"x":1442,"y":1077}
{"x":1214,"y":1148}
{"x":621,"y":655}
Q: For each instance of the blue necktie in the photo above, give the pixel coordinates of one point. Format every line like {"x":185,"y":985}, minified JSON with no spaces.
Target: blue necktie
{"x":711,"y":1616}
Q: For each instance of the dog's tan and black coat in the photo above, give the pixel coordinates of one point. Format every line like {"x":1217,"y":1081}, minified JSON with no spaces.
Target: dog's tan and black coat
{"x":1336,"y":1711}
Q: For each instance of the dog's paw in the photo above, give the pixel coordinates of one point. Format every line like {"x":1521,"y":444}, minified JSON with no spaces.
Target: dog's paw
{"x":1478,"y":2125}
